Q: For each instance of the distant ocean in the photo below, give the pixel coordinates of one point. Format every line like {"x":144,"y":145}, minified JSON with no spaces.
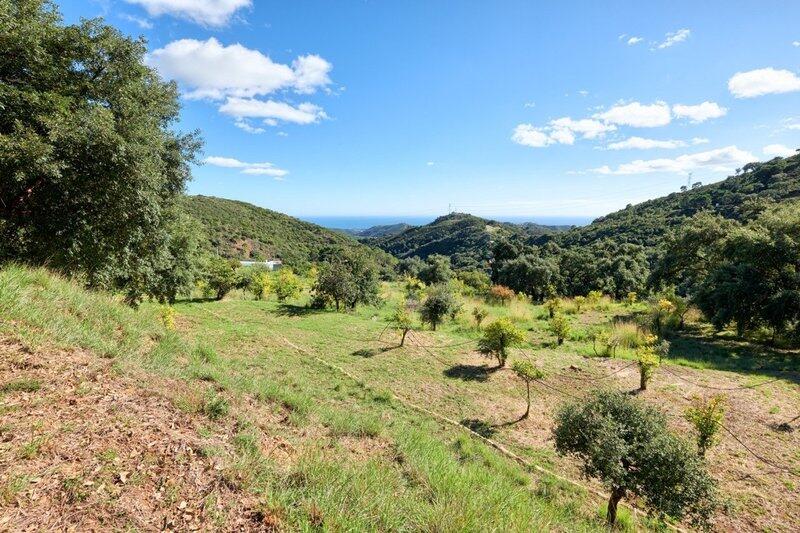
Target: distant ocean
{"x":364,"y":222}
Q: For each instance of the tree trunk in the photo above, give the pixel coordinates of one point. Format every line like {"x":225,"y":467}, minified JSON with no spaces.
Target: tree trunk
{"x":528,"y":410}
{"x":560,"y":341}
{"x":433,"y":325}
{"x":642,"y":381}
{"x":403,"y":340}
{"x":611,"y":516}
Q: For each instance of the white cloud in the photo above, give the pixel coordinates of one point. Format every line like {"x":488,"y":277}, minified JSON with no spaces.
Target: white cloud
{"x":252,"y":169}
{"x":529,"y":105}
{"x":430,"y":163}
{"x":700,"y":112}
{"x":674,"y":38}
{"x":272,"y":112}
{"x":763,"y":81}
{"x":209,"y":69}
{"x":560,"y":131}
{"x":638,"y":115}
{"x":310,"y":72}
{"x":778,"y":150}
{"x":529,"y":135}
{"x":139,"y":21}
{"x":589,"y":128}
{"x":244,"y":125}
{"x":634,"y":40}
{"x":640,"y":143}
{"x":719,"y":160}
{"x":796,"y":44}
{"x":203,"y":12}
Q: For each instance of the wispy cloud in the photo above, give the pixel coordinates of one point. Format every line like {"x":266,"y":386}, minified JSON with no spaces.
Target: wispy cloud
{"x":143,"y":23}
{"x":778,"y":150}
{"x":641,"y":143}
{"x":673,"y":38}
{"x":212,"y":13}
{"x":719,"y":160}
{"x":634,"y":40}
{"x":252,"y":169}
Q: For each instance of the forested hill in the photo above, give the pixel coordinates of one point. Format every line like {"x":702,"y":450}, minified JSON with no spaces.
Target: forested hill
{"x":386,"y":230}
{"x":739,"y":197}
{"x":466,"y":239}
{"x":240,"y":230}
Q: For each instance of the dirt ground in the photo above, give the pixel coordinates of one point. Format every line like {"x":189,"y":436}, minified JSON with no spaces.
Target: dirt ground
{"x":93,"y":450}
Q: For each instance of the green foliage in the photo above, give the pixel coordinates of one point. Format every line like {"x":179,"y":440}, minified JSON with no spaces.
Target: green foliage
{"x":579,"y":302}
{"x":479,"y":314}
{"x":219,"y":275}
{"x":402,"y":320}
{"x":477,"y":281}
{"x":740,"y":274}
{"x":286,"y":284}
{"x":436,"y":270}
{"x":346,"y":278}
{"x":553,"y":306}
{"x":706,"y":415}
{"x":631,"y":298}
{"x":167,"y":315}
{"x":465,"y":239}
{"x":628,"y":447}
{"x":89,"y":154}
{"x":648,"y":361}
{"x":560,"y":327}
{"x":260,"y":283}
{"x":239,"y":230}
{"x":529,"y":274}
{"x":498,"y":337}
{"x":527,"y":372}
{"x":438,"y":304}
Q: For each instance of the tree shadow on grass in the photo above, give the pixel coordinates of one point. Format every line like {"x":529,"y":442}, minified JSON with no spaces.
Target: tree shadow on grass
{"x":372,"y":352}
{"x":192,"y":301}
{"x":297,"y":310}
{"x":734,"y":355}
{"x":479,"y":373}
{"x":482,"y":428}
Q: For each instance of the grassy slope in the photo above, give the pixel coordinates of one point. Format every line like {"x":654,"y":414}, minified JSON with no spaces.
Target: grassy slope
{"x":647,"y":223}
{"x":465,"y":238}
{"x":357,"y":459}
{"x":443,"y":373}
{"x":353,"y":459}
{"x":244,"y":231}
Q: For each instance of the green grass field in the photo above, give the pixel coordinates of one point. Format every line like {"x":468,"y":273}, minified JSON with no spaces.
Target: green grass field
{"x":341,"y":391}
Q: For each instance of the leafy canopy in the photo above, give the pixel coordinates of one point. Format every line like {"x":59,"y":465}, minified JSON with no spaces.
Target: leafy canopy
{"x":626,"y":445}
{"x":89,"y":156}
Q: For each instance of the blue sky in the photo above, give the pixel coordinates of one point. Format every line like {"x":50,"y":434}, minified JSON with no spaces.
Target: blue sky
{"x":499,"y":108}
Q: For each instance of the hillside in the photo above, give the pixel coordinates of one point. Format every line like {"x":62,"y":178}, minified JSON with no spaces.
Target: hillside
{"x":465,"y":238}
{"x":385,"y":230}
{"x":110,"y":421}
{"x":244,"y":231}
{"x":738,"y":197}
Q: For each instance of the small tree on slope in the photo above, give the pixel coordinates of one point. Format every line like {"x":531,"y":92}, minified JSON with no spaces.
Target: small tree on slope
{"x":498,"y":337}
{"x":528,"y":373}
{"x":402,"y":321}
{"x":627,"y":446}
